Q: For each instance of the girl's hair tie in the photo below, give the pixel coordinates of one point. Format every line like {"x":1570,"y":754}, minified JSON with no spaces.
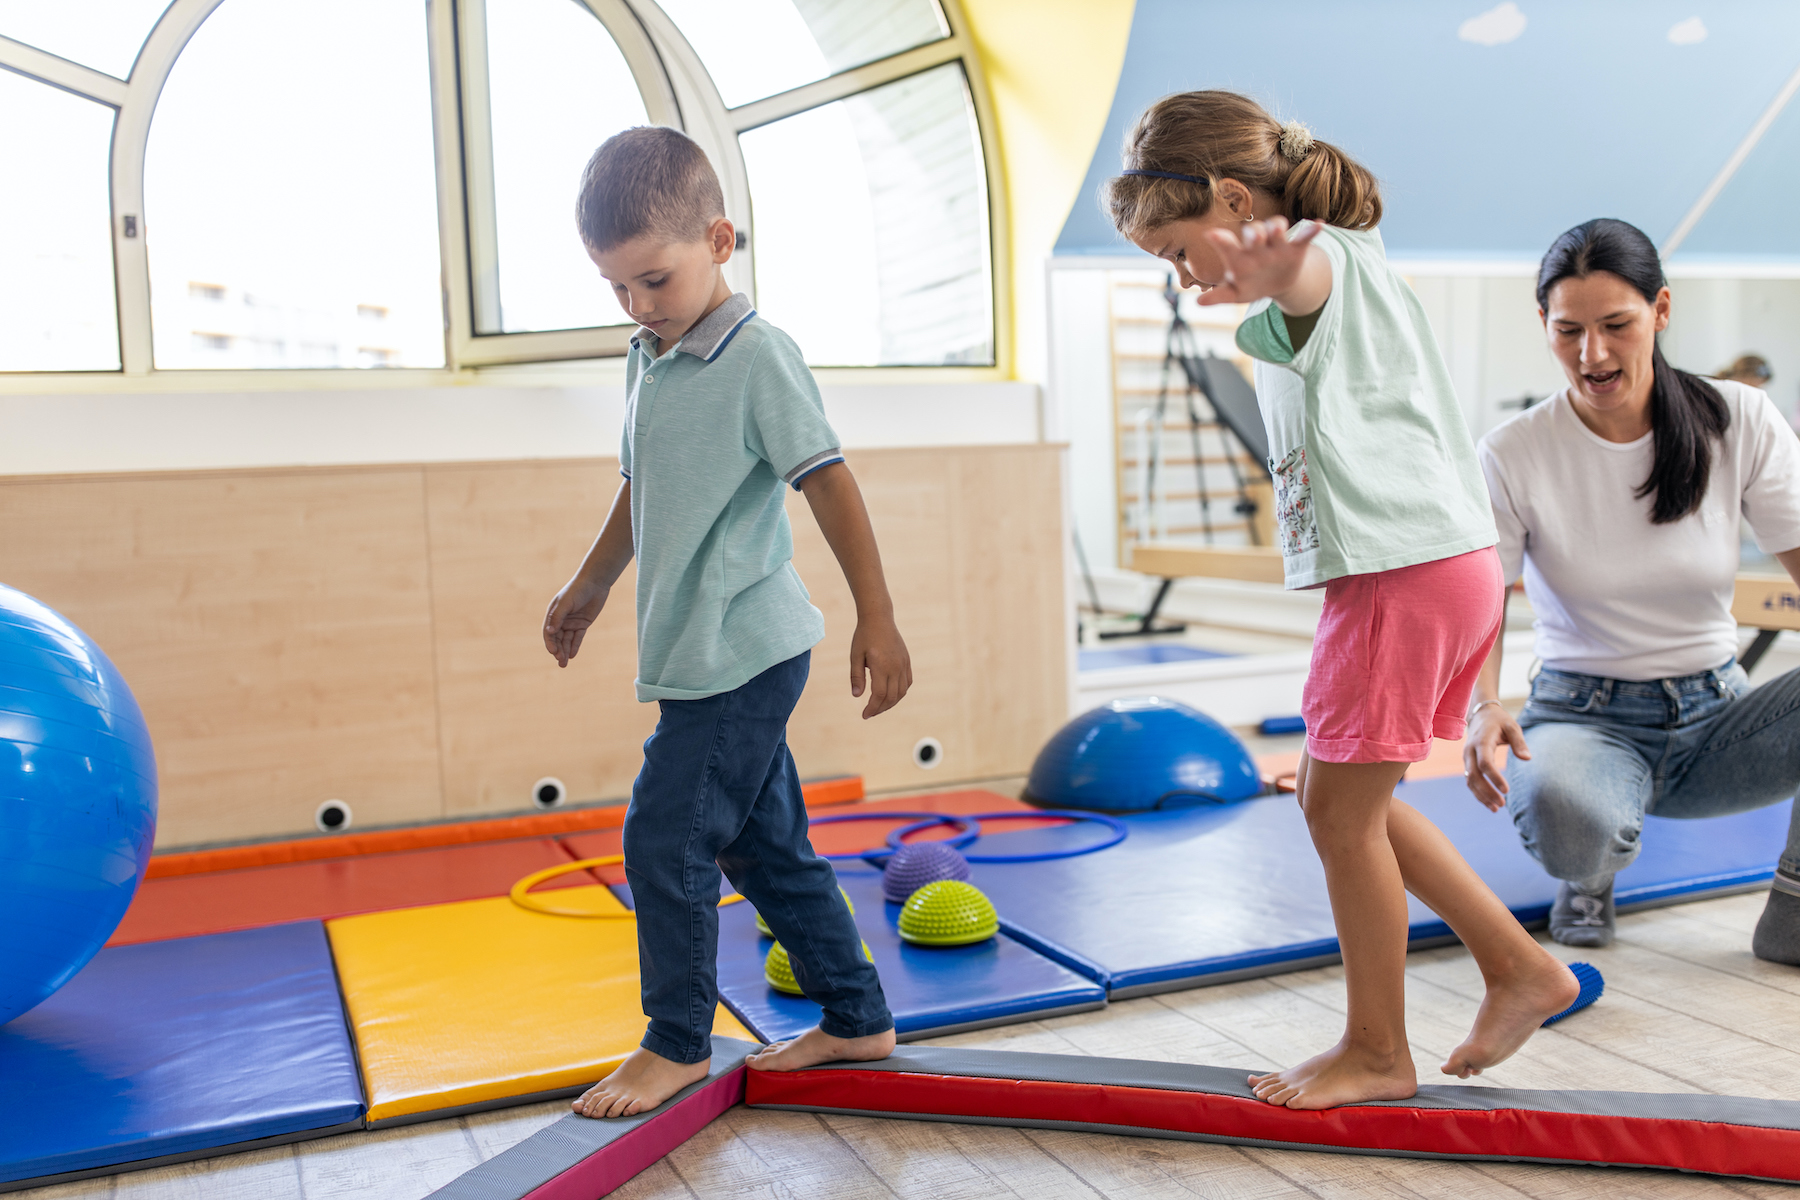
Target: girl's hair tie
{"x":1167,"y":175}
{"x":1296,"y":141}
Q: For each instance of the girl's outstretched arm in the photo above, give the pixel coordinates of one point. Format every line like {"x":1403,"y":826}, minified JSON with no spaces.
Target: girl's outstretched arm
{"x":1262,"y":260}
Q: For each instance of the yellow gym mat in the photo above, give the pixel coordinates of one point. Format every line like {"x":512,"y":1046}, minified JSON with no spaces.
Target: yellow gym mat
{"x":458,"y":1006}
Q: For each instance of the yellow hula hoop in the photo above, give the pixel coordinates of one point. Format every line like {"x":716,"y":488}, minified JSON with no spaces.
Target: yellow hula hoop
{"x":521,"y":891}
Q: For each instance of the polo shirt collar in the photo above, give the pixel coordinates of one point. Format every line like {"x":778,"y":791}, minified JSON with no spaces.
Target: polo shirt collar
{"x":711,"y":333}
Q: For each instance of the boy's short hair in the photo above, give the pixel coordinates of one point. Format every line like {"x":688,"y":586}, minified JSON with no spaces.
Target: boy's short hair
{"x":651,"y":181}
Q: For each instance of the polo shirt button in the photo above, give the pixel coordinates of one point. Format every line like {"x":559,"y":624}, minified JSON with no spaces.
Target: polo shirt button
{"x":649,"y":379}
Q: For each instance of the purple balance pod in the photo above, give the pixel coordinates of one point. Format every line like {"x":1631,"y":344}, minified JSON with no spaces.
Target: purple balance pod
{"x":918,"y":863}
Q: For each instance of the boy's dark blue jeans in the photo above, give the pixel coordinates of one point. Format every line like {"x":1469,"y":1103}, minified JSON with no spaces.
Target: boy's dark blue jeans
{"x":719,"y":791}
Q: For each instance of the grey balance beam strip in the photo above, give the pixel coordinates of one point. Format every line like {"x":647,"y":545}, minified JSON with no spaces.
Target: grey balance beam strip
{"x":568,"y":1142}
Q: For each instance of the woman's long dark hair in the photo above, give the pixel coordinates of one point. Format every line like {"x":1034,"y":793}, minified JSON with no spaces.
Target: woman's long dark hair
{"x":1686,"y":412}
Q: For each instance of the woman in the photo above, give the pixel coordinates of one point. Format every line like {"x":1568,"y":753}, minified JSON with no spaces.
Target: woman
{"x":1618,"y":499}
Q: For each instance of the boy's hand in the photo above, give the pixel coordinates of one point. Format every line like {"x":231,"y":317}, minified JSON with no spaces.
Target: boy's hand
{"x":876,"y":648}
{"x":567,"y":619}
{"x":1261,"y":260}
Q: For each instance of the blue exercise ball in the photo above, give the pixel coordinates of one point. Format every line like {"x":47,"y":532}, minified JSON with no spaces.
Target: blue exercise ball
{"x":1142,"y":754}
{"x":77,"y":800}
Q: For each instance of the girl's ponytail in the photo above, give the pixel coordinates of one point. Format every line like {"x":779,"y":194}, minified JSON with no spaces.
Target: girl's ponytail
{"x":1328,"y":185}
{"x":1200,"y":138}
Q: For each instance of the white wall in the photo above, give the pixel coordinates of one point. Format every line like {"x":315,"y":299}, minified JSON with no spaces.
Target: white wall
{"x":1486,"y":324}
{"x":1716,"y":320}
{"x":172,"y":430}
{"x":1488,"y":330}
{"x":1082,"y":408}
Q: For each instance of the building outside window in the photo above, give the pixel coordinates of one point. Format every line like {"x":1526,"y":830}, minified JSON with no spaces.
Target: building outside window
{"x":304,"y":184}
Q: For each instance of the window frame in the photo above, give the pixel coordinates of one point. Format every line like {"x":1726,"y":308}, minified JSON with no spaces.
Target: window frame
{"x":677,"y":91}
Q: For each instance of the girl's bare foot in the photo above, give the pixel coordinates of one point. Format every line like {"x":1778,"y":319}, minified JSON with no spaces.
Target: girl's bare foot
{"x":815,"y":1046}
{"x":640,"y":1083}
{"x":1344,"y":1074}
{"x":1513,"y":1009}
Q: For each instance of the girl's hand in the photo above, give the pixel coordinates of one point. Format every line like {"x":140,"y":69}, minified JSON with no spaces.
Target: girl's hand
{"x":1484,"y":767}
{"x":567,"y":619}
{"x":1260,"y":260}
{"x":877,"y":650}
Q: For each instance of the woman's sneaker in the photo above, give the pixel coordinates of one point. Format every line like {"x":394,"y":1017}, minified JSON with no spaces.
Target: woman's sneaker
{"x":1581,"y":919}
{"x":1777,"y":937}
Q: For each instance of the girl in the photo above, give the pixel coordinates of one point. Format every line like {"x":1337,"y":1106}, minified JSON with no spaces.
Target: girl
{"x":1379,"y":499}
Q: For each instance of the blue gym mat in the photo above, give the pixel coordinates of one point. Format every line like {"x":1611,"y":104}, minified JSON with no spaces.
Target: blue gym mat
{"x":932,"y":992}
{"x":169,"y":1050}
{"x":1149,"y":654}
{"x":1215,"y":894}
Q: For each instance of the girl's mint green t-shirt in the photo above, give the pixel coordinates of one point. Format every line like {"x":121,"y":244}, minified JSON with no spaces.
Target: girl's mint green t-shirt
{"x":1373,"y":465}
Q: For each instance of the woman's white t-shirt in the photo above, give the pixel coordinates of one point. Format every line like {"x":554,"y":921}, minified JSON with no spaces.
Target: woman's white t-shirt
{"x":1616,"y":596}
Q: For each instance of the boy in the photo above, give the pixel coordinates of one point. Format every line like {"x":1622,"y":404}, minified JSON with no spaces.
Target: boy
{"x":720,"y":411}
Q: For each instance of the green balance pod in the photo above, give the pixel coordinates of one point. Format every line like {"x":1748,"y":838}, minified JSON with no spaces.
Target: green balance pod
{"x":948,"y":913}
{"x":778,"y":969}
{"x":762,"y":926}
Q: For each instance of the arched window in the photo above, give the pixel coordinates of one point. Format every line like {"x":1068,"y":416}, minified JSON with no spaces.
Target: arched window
{"x":295,"y":225}
{"x":379,"y":183}
{"x":56,"y":271}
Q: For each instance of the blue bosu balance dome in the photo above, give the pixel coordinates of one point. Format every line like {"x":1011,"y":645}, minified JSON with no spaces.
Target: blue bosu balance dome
{"x":1141,"y":754}
{"x":77,"y":800}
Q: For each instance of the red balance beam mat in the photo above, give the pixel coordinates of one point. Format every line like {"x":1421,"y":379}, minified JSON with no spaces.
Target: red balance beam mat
{"x":1715,"y":1135}
{"x":184,"y":905}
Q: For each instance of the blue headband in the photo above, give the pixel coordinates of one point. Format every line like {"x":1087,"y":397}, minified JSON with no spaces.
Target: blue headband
{"x":1169,"y":175}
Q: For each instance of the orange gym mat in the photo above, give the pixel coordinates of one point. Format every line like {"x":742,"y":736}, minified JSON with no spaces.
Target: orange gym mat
{"x":220,"y":901}
{"x":847,"y":837}
{"x":482,"y":1004}
{"x":1445,"y":759}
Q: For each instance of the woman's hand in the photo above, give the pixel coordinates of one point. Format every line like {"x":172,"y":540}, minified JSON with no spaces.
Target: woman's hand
{"x":1261,"y":260}
{"x":1484,"y":766}
{"x":567,"y":619}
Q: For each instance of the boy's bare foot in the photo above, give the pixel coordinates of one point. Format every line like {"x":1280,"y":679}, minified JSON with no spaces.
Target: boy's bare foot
{"x":1342,"y":1075}
{"x":815,"y":1046}
{"x":640,"y":1083}
{"x":1511,"y":1012}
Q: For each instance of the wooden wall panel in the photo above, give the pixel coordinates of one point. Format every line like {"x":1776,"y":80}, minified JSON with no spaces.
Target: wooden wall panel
{"x":274,"y":626}
{"x":372,"y":633}
{"x":972,"y":544}
{"x":504,"y":537}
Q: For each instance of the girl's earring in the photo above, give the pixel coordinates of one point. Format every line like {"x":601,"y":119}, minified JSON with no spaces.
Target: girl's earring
{"x":1251,"y":217}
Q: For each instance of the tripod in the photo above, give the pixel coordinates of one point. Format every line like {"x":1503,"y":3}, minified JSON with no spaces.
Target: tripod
{"x":1182,"y":350}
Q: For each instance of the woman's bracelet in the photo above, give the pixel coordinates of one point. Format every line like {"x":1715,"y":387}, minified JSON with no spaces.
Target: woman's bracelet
{"x":1479,"y":707}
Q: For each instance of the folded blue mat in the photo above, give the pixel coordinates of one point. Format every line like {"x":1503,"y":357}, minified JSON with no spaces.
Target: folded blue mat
{"x":1209,"y":895}
{"x":169,"y":1050}
{"x":1148,"y":654}
{"x":932,"y":991}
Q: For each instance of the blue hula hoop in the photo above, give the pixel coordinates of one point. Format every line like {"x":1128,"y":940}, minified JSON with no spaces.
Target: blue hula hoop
{"x":970,"y":827}
{"x":1119,"y":834}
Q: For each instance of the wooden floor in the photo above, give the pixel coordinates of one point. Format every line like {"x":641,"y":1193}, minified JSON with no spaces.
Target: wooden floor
{"x":1687,"y":1009}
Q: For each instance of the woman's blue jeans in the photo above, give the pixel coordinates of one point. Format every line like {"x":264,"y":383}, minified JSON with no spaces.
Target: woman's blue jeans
{"x":718,"y":790}
{"x":1606,"y":751}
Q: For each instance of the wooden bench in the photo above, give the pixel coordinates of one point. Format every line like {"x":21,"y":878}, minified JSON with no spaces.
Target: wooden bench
{"x":1765,"y":603}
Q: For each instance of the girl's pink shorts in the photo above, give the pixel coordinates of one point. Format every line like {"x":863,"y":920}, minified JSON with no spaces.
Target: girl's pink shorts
{"x":1396,"y":658}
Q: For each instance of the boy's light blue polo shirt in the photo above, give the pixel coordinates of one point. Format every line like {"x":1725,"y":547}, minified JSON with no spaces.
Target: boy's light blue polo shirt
{"x":713,"y":427}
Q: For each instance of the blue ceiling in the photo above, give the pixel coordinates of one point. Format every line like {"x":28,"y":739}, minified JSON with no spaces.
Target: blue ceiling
{"x":1490,"y":151}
